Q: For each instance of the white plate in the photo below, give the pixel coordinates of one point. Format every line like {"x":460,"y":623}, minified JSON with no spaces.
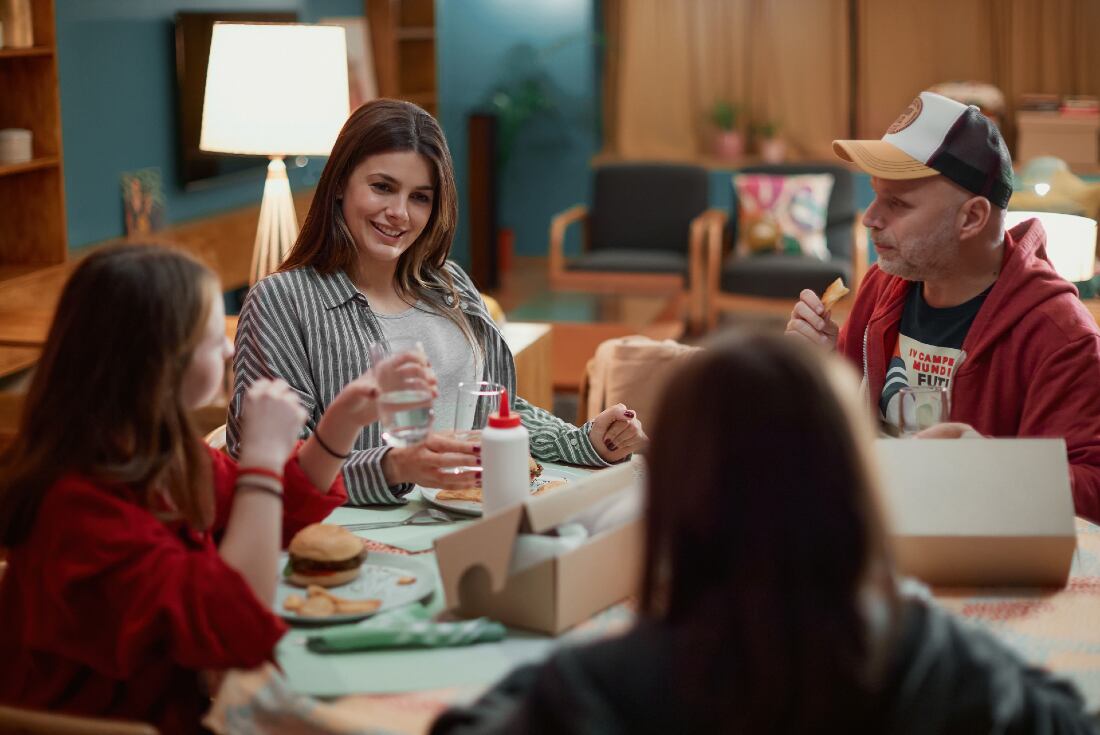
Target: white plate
{"x":473,"y":507}
{"x":377,"y":580}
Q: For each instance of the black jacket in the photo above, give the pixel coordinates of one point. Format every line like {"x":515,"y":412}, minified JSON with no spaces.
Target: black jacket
{"x":945,"y":677}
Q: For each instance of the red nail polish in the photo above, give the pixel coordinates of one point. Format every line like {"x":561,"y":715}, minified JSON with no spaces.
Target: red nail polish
{"x":628,"y":414}
{"x":477,"y":449}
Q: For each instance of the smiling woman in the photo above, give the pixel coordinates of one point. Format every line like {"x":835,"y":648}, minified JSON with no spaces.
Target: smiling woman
{"x":371,"y":265}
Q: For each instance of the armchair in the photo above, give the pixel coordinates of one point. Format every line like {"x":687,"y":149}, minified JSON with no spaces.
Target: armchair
{"x":645,"y":233}
{"x":771,"y":282}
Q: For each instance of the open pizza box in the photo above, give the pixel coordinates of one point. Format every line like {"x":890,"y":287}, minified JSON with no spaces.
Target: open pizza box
{"x":554,"y":593}
{"x":980,"y":512}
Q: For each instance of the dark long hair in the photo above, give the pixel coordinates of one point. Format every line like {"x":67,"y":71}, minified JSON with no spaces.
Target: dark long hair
{"x":104,"y":401}
{"x":326,"y":243}
{"x":762,"y":530}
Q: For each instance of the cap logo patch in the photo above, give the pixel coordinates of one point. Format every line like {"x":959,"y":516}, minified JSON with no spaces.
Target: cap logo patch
{"x":905,"y":119}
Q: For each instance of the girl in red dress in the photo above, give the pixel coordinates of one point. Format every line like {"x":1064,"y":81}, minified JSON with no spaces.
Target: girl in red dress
{"x":138,"y":556}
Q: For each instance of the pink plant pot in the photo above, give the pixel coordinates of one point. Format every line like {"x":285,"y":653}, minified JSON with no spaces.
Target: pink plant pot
{"x":773,"y":150}
{"x":728,"y":145}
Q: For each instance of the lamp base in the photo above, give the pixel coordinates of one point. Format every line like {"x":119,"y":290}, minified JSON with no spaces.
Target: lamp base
{"x":278,"y":228}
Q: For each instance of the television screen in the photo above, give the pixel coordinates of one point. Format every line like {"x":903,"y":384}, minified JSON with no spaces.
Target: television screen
{"x":197,"y":168}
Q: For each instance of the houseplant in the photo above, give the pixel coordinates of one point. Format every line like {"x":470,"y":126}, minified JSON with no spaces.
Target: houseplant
{"x":728,"y":143}
{"x":772,"y":148}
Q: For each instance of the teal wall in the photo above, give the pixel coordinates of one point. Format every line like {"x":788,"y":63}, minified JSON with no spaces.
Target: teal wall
{"x":117,"y":75}
{"x":479,"y":42}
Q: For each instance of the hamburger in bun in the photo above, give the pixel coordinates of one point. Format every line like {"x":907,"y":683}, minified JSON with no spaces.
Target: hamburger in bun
{"x":324,"y":555}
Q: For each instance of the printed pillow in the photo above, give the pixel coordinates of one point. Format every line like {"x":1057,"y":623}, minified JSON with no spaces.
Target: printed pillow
{"x":783,"y":213}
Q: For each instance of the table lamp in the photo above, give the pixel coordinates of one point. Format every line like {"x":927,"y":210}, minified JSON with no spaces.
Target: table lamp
{"x":276,"y":90}
{"x":1071,"y":242}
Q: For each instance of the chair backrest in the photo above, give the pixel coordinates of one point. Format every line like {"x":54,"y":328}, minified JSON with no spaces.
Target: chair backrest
{"x":630,"y":370}
{"x":18,"y":721}
{"x":842,"y":201}
{"x":645,"y":206}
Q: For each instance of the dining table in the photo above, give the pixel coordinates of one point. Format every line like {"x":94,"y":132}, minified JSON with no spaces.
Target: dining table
{"x":403,"y":691}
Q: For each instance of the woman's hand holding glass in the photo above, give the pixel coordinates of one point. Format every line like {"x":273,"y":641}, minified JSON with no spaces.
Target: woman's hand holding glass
{"x":406,"y":392}
{"x":431,"y":463}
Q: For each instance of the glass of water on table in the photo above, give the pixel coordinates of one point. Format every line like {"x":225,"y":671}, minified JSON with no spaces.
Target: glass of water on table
{"x":475,"y":401}
{"x":404,"y":405}
{"x":920,"y":407}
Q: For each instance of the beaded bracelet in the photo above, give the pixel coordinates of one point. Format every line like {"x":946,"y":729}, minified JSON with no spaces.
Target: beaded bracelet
{"x":327,"y":448}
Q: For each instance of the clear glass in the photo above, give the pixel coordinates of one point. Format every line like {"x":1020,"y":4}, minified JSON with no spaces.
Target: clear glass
{"x":921,"y":406}
{"x":404,"y":410}
{"x":475,"y":401}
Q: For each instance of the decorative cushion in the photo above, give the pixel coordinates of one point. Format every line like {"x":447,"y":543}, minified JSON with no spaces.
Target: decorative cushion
{"x":784,"y":213}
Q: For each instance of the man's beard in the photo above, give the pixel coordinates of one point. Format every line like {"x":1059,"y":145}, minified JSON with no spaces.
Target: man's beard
{"x":925,"y":257}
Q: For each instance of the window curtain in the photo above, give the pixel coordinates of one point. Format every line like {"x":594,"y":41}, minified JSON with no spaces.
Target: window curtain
{"x":1019,"y":46}
{"x":781,"y":61}
{"x":793,"y":62}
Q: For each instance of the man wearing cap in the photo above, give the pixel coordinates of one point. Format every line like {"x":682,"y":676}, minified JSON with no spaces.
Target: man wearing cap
{"x":955,"y":300}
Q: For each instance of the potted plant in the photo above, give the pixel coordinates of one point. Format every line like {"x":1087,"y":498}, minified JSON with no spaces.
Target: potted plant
{"x":728,"y":143}
{"x":773,"y":149}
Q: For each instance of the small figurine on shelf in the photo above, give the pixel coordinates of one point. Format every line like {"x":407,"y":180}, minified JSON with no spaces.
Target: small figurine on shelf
{"x":773,"y":149}
{"x":728,"y":143}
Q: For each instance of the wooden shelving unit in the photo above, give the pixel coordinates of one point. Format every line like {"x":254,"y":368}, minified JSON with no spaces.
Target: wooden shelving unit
{"x":32,"y":194}
{"x":403,"y":40}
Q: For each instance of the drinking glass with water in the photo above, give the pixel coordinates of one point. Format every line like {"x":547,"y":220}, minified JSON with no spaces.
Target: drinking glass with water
{"x":475,"y":402}
{"x":404,"y":406}
{"x":921,"y":406}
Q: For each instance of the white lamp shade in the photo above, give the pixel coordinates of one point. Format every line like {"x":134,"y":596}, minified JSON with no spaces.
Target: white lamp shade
{"x":275,"y":89}
{"x":1071,"y":241}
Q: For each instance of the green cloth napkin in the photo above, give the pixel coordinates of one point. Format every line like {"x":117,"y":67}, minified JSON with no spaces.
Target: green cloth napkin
{"x":409,"y":627}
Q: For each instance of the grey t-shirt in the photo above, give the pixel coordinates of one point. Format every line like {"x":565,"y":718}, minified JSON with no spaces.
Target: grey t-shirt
{"x":451,"y":355}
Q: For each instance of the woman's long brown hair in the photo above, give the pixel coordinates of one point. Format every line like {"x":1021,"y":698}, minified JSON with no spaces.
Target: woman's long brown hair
{"x":104,"y":401}
{"x":762,"y":530}
{"x":326,"y":243}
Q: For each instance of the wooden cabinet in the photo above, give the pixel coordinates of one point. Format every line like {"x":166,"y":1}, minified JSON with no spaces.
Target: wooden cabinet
{"x":32,"y":194}
{"x":403,"y":41}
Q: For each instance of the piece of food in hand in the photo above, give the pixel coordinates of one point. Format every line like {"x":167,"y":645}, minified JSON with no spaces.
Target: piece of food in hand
{"x":834,"y":293}
{"x":317,"y":606}
{"x":324,"y":554}
{"x":534,"y":469}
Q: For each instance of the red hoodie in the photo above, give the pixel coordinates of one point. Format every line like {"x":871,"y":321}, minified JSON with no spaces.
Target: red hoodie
{"x":1031,"y":360}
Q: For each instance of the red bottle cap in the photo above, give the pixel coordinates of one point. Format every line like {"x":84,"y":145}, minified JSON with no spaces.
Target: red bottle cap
{"x":505,"y":419}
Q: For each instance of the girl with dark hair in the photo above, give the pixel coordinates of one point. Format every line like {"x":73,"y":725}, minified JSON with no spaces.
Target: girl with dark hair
{"x":138,"y":556}
{"x":370,"y":265}
{"x":768,"y":602}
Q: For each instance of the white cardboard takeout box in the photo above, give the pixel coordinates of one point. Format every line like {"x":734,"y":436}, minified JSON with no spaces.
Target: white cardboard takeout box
{"x":556,"y":593}
{"x":980,"y":512}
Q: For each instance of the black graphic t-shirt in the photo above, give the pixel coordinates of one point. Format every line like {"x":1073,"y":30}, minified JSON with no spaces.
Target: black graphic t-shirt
{"x":929,"y":347}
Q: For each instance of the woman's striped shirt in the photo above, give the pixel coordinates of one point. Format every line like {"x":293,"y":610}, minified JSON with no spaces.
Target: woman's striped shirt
{"x":313,"y":331}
